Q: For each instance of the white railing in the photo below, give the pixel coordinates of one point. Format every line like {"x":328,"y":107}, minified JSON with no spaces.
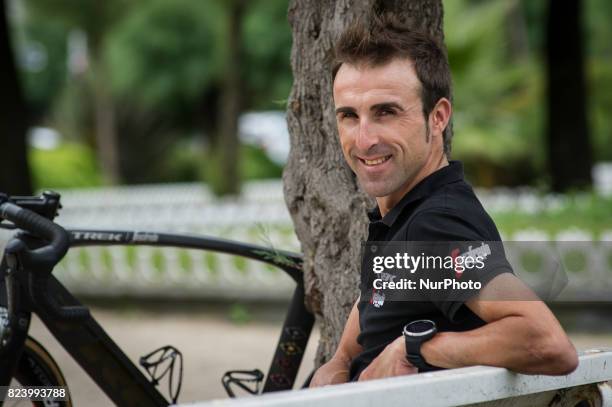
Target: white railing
{"x":478,"y":385}
{"x":258,"y":216}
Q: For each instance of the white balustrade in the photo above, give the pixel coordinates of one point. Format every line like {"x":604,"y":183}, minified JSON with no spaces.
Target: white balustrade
{"x":258,"y":216}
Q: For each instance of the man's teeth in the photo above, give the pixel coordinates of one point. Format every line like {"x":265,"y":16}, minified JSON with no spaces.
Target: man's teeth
{"x":377,"y":161}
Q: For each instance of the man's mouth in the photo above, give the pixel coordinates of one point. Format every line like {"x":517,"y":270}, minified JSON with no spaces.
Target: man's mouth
{"x":376,"y":161}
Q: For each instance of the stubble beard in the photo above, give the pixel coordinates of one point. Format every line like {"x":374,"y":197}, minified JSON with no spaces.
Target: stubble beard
{"x":385,"y":187}
{"x":397,"y":180}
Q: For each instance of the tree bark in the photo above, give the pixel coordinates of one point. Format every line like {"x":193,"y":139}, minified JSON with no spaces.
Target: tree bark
{"x":321,"y":192}
{"x":14,"y":171}
{"x":570,"y":157}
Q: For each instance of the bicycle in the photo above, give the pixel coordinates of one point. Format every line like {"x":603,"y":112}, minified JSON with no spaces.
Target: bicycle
{"x":28,"y":286}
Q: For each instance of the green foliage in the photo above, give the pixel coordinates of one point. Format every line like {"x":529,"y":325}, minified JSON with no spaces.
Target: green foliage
{"x":598,"y":14}
{"x":534,"y":12}
{"x":253,"y":165}
{"x":72,"y":112}
{"x":211,"y":173}
{"x":71,"y":165}
{"x":588,"y":212}
{"x":43,"y":86}
{"x":267,"y":46}
{"x":239,"y":314}
{"x":600,"y":71}
{"x":167,"y":53}
{"x":183,"y":163}
{"x":96,"y":18}
{"x":191,"y":162}
{"x":165,"y":59}
{"x":497,"y":95}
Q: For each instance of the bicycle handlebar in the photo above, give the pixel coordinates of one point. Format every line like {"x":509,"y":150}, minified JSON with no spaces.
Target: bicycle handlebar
{"x":43,"y":258}
{"x":57,"y":237}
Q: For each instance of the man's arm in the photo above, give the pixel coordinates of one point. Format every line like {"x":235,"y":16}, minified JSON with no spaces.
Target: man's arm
{"x":336,"y":370}
{"x":523,"y":336}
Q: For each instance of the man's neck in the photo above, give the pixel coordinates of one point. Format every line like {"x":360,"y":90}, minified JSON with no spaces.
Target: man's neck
{"x":386,"y":203}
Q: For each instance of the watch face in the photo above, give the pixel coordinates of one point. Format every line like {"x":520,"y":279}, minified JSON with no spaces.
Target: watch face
{"x":421,"y":327}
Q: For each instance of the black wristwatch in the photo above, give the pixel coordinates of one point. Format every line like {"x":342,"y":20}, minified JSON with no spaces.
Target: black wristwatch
{"x":415,"y":333}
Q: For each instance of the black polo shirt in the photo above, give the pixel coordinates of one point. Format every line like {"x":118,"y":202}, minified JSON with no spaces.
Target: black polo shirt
{"x":442,"y":207}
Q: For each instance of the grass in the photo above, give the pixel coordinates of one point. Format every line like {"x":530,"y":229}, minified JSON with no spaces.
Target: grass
{"x":588,"y":212}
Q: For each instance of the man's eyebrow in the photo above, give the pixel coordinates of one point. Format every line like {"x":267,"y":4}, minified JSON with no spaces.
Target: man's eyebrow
{"x":387,"y":105}
{"x":345,"y":109}
{"x":378,"y":106}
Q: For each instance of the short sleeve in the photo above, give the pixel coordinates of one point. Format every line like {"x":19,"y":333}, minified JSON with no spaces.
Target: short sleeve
{"x":476,"y":251}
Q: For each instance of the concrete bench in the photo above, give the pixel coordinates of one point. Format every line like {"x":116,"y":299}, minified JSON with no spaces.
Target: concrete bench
{"x":476,"y":386}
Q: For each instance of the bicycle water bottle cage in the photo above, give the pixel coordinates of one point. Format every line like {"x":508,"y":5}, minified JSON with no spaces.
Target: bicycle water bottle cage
{"x":162,"y":362}
{"x":247,"y":380}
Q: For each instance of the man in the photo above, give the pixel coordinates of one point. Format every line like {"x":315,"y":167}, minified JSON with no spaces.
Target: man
{"x":392,"y":96}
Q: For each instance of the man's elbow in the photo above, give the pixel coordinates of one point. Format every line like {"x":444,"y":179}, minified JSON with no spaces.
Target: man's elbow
{"x":558,"y":356}
{"x":567,"y":359}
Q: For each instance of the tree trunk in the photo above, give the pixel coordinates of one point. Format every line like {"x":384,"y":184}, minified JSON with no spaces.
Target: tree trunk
{"x":14,"y":170}
{"x":569,"y":149}
{"x":325,"y":202}
{"x":104,"y":112}
{"x":229,"y":112}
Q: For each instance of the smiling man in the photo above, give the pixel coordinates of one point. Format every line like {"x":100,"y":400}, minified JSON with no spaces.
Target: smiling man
{"x":392,"y":96}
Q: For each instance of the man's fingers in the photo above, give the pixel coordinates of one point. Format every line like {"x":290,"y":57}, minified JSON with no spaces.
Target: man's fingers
{"x":364,"y":375}
{"x":339,"y":376}
{"x":322,"y":378}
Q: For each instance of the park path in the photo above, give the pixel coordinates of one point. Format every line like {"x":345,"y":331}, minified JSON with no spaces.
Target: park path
{"x":210,"y":342}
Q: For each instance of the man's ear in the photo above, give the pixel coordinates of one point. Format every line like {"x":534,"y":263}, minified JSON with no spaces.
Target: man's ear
{"x":440,"y":116}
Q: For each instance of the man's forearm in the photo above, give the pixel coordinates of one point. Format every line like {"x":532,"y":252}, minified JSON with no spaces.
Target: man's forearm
{"x":509,"y":342}
{"x":336,"y":370}
{"x":348,"y":348}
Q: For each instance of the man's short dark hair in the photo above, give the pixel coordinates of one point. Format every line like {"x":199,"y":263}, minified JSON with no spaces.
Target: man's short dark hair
{"x":385,"y":38}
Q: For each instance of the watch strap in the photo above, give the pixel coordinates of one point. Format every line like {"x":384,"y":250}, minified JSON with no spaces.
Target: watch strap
{"x":414,"y":356}
{"x":417,"y":360}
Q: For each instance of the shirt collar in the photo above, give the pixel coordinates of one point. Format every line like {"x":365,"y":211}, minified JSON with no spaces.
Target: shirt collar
{"x":453,"y":172}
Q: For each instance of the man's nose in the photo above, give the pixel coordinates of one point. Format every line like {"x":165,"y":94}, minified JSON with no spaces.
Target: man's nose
{"x":366,"y":138}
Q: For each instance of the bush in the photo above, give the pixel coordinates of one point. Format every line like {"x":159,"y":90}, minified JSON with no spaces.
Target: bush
{"x":71,"y":165}
{"x":190,"y":162}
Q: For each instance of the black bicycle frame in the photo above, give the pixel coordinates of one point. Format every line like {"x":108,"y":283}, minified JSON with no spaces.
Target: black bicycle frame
{"x":124,"y":383}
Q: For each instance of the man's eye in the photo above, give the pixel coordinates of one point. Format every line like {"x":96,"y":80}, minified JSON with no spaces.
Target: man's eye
{"x":386,"y":112}
{"x":348,"y":115}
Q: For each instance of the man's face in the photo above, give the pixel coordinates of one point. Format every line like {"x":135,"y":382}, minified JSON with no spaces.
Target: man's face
{"x":384,"y":136}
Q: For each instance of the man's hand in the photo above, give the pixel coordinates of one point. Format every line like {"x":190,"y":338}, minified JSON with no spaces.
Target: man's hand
{"x":337,"y":369}
{"x":333,"y":372}
{"x":390,"y":362}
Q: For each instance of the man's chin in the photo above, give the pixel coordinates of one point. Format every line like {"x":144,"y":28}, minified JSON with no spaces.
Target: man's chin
{"x":376,"y":189}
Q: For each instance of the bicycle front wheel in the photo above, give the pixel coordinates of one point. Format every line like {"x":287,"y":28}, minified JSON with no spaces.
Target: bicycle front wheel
{"x":37,"y":368}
